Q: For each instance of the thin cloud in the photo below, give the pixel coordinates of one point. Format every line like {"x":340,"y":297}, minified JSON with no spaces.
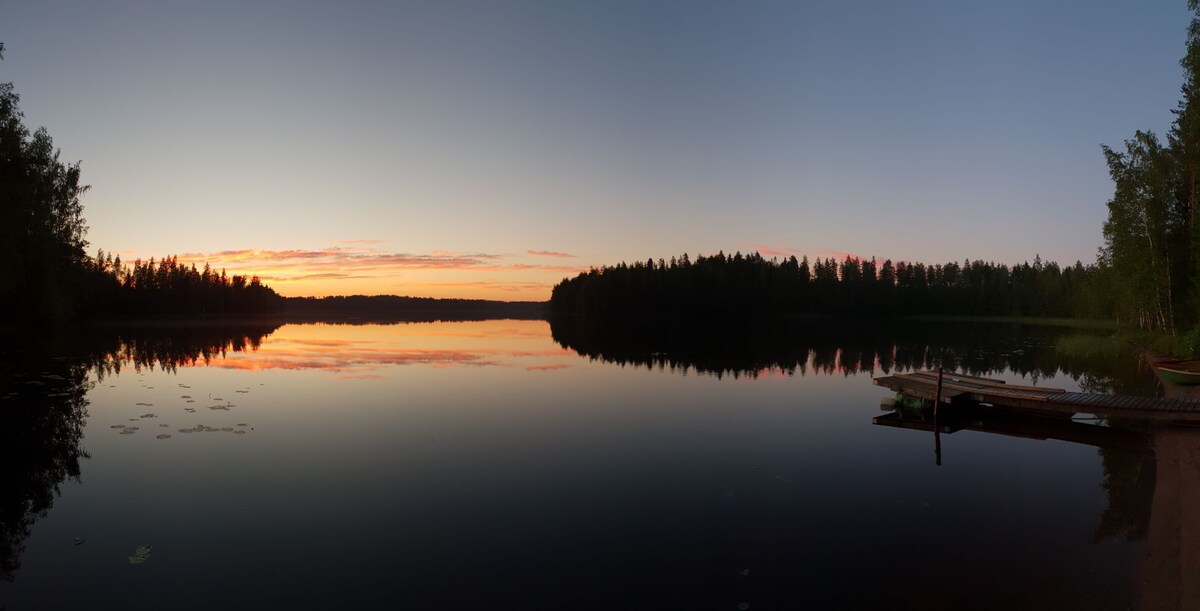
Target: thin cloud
{"x":496,"y":286}
{"x":551,"y":253}
{"x":774,"y":251}
{"x":356,"y":262}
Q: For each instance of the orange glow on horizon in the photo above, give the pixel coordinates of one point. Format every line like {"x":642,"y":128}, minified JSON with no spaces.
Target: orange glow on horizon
{"x":363,"y":268}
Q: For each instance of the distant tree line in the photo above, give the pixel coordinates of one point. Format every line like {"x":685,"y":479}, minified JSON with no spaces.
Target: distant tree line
{"x":390,"y":308}
{"x":724,"y":286}
{"x":47,"y":275}
{"x":167,"y":288}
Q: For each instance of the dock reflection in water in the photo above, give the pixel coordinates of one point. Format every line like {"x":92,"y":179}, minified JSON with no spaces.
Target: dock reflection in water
{"x":1151,"y":477}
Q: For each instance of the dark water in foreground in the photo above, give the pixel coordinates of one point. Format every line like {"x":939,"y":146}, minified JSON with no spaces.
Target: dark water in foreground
{"x":485,"y":465}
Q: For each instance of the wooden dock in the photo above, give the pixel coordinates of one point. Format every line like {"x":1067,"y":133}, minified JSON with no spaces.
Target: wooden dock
{"x":960,"y":388}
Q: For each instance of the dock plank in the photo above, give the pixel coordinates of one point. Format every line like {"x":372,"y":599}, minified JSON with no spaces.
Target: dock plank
{"x":1038,"y":399}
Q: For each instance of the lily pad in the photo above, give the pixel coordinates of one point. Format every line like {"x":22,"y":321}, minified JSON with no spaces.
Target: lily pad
{"x":140,"y":555}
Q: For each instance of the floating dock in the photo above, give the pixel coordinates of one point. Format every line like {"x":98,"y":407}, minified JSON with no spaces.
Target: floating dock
{"x":959,"y":388}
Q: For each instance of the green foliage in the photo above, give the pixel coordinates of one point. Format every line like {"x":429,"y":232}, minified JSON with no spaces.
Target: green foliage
{"x":1150,"y":261}
{"x":1189,"y":343}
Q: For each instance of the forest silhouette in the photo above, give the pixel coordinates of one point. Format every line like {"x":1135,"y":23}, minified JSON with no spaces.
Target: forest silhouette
{"x":742,"y":286}
{"x":49,"y":277}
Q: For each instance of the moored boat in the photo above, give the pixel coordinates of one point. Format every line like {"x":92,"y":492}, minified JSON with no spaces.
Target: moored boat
{"x":1180,"y":372}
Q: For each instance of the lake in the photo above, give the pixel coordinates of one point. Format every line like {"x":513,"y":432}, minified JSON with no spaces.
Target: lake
{"x":515,"y":464}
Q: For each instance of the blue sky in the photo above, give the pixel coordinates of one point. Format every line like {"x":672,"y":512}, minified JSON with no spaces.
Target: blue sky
{"x":435,"y":148}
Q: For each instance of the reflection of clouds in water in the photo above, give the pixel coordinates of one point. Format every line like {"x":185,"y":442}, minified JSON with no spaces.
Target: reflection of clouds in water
{"x":318,"y":342}
{"x":546,"y":367}
{"x":356,"y":352}
{"x":358,"y":358}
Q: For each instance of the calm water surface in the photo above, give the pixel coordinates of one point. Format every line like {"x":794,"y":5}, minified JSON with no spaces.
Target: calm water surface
{"x":496,"y":464}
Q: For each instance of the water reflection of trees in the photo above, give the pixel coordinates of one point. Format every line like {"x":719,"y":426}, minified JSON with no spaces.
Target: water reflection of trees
{"x":1129,"y":480}
{"x":167,"y":348}
{"x":41,"y":425}
{"x":44,"y":383}
{"x":833,"y":346}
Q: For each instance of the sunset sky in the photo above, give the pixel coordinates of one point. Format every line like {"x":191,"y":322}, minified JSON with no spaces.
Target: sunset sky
{"x":488,"y":149}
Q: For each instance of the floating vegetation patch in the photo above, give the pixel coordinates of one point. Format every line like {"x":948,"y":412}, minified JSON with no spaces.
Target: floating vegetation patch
{"x":148,"y":416}
{"x":145,"y":404}
{"x":117,"y":426}
{"x":200,"y":428}
{"x":190,"y":410}
{"x":185,"y":397}
{"x":164,"y":425}
{"x":163,"y":436}
{"x":242,"y":391}
{"x":129,"y":430}
{"x":242,"y":424}
{"x":222,"y":407}
{"x":140,"y":555}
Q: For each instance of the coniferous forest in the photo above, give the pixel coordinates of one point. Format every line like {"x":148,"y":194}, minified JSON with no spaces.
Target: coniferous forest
{"x":724,"y":286}
{"x":49,"y":277}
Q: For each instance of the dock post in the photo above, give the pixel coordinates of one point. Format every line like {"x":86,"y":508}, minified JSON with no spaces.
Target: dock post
{"x":937,"y":436}
{"x":937,"y":397}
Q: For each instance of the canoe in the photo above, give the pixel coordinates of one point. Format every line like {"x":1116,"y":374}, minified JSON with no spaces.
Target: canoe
{"x":1186,"y":373}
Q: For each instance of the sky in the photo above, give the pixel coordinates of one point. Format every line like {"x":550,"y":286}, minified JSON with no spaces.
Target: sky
{"x":489,"y":149}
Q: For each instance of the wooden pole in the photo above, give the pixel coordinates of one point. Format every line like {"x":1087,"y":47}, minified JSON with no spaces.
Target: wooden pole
{"x":937,"y":434}
{"x":937,"y":397}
